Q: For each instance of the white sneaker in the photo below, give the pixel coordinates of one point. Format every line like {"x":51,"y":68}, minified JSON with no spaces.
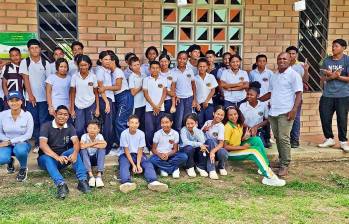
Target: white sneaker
{"x":99,"y":182}
{"x":344,"y":146}
{"x":191,"y":172}
{"x":274,"y":181}
{"x":223,"y":172}
{"x":92,"y":182}
{"x":213,"y":175}
{"x":328,"y":143}
{"x":163,"y":173}
{"x":127,"y":187}
{"x":176,"y":173}
{"x":36,"y":149}
{"x":202,"y":172}
{"x":157,"y":186}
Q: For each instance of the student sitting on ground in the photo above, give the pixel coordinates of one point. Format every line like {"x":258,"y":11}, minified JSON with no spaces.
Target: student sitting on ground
{"x":93,"y":151}
{"x":132,"y":143}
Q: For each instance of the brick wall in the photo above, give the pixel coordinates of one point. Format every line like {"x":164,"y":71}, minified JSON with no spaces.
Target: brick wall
{"x":18,"y":16}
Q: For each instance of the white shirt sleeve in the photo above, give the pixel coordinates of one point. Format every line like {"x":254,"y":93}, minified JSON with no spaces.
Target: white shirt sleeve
{"x":156,"y":138}
{"x":100,"y":74}
{"x":123,"y":139}
{"x":100,"y":137}
{"x":23,"y":67}
{"x":142,"y":140}
{"x":84,"y":138}
{"x":95,"y":84}
{"x":245,"y":75}
{"x":221,"y":133}
{"x":213,"y":81}
{"x":176,"y":137}
{"x":49,"y":79}
{"x":297,"y":85}
{"x":131,"y":81}
{"x":145,"y":83}
{"x":73,"y":81}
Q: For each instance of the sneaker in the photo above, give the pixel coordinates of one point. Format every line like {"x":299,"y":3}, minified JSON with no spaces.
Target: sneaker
{"x":294,"y":144}
{"x":176,"y":174}
{"x":223,"y":172}
{"x":36,"y":149}
{"x":344,"y":146}
{"x":127,"y":187}
{"x":191,"y":172}
{"x":92,"y":182}
{"x":213,"y":175}
{"x":11,"y":166}
{"x":163,"y":173}
{"x":62,"y":191}
{"x":22,"y":174}
{"x":83,"y":186}
{"x":99,"y":182}
{"x":328,"y":143}
{"x":273,"y":181}
{"x":157,"y":186}
{"x":202,"y":172}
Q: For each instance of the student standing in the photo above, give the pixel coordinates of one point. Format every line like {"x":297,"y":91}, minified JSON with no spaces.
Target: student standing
{"x":170,"y":101}
{"x":84,"y":103}
{"x":57,"y":53}
{"x":225,"y":64}
{"x":234,"y":82}
{"x":128,"y":71}
{"x":151,"y":54}
{"x":185,"y":89}
{"x":35,"y":70}
{"x":205,"y":88}
{"x":194,"y":52}
{"x":77,"y":49}
{"x":154,"y":89}
{"x":132,"y":143}
{"x":261,"y":74}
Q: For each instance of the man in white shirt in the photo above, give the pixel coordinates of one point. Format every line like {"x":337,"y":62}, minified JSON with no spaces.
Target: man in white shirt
{"x":285,"y":94}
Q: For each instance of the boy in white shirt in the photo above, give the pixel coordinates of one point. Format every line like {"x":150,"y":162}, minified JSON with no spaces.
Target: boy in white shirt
{"x":132,"y":142}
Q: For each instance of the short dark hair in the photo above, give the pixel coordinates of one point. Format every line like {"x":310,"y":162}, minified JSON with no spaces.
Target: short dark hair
{"x":193,"y":47}
{"x":133,"y":116}
{"x":341,"y":42}
{"x":149,"y":49}
{"x":58,"y":48}
{"x":59,"y":61}
{"x":84,"y":58}
{"x":225,"y":54}
{"x":77,"y":43}
{"x":255,"y":86}
{"x":94,"y":122}
{"x":154,"y":63}
{"x":166,"y":115}
{"x":210,"y":52}
{"x":191,"y":116}
{"x":235,"y":56}
{"x":134,"y":59}
{"x":202,"y":60}
{"x":33,"y":42}
{"x":14,"y":49}
{"x":182,"y":52}
{"x":261,"y":56}
{"x":62,"y":107}
{"x":163,"y":55}
{"x":292,"y":48}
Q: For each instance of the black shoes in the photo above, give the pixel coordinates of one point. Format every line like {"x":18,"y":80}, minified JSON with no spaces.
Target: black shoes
{"x":62,"y":191}
{"x":11,"y":166}
{"x":83,"y":186}
{"x":294,"y":144}
{"x":22,"y":174}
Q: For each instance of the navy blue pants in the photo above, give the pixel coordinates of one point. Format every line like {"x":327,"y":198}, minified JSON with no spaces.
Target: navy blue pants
{"x":190,"y":151}
{"x":153,"y":125}
{"x":204,"y":162}
{"x":184,"y":108}
{"x":107,"y":123}
{"x":123,"y":109}
{"x":140,"y":113}
{"x":40,"y":115}
{"x":205,"y":114}
{"x":173,"y":163}
{"x":83,"y":116}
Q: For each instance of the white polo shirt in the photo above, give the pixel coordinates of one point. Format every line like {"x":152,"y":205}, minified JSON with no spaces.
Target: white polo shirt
{"x":85,"y":138}
{"x":60,"y":90}
{"x":220,"y":72}
{"x":283,"y":87}
{"x":192,"y":67}
{"x":105,"y":75}
{"x":204,"y":87}
{"x":73,"y":68}
{"x":263,"y":78}
{"x":254,"y":115}
{"x":183,"y":82}
{"x":84,"y":95}
{"x":118,"y":74}
{"x":298,"y":67}
{"x":155,"y":89}
{"x":37,"y":77}
{"x":132,"y":142}
{"x":170,"y":79}
{"x":230,"y":77}
{"x":165,"y":140}
{"x":215,"y":132}
{"x":136,"y":81}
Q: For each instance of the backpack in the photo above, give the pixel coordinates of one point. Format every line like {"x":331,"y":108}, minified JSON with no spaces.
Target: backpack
{"x":43,"y":61}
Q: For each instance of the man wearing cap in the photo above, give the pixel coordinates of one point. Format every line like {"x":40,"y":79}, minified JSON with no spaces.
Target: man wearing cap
{"x":16,"y":128}
{"x":35,"y":70}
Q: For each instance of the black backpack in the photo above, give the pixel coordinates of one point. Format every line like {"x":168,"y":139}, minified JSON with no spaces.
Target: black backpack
{"x":43,"y":61}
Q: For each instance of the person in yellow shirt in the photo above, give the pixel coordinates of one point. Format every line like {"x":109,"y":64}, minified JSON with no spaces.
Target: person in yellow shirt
{"x":241,"y":146}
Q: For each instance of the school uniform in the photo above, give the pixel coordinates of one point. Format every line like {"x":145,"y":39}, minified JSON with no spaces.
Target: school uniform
{"x":155,"y":88}
{"x":73,"y":68}
{"x":60,"y":90}
{"x":263,"y":78}
{"x":255,"y":153}
{"x":193,"y":68}
{"x":203,"y":89}
{"x":19,"y":132}
{"x":190,"y":144}
{"x":37,"y":73}
{"x":10,"y":72}
{"x":105,"y":76}
{"x":254,"y":116}
{"x":123,"y":104}
{"x":136,"y":81}
{"x":93,"y":156}
{"x":60,"y":141}
{"x":145,"y":69}
{"x":214,"y":134}
{"x":170,"y":79}
{"x":84,"y":105}
{"x":165,"y":142}
{"x":127,"y":72}
{"x":237,"y":96}
{"x":184,"y":93}
{"x":134,"y":142}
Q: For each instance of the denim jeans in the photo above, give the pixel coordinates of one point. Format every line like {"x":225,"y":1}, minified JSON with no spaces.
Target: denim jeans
{"x":20,"y":151}
{"x":96,"y":159}
{"x":296,"y":127}
{"x":123,"y":109}
{"x":205,"y":163}
{"x":205,"y":114}
{"x":184,"y":108}
{"x":173,"y":163}
{"x":40,"y":115}
{"x":52,"y":166}
{"x":190,"y":151}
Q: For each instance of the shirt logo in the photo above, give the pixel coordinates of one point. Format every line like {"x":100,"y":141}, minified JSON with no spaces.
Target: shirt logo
{"x":66,"y":139}
{"x":160,"y":85}
{"x":265,"y":79}
{"x":189,"y":75}
{"x":169,"y":78}
{"x":208,"y":84}
{"x":260,"y":113}
{"x":90,"y":83}
{"x":215,"y":134}
{"x":241,"y":78}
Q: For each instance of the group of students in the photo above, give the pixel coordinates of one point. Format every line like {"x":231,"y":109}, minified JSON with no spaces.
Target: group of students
{"x":190,"y":116}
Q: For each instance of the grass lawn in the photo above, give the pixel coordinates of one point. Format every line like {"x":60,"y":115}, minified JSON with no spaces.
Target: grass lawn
{"x":315,"y":193}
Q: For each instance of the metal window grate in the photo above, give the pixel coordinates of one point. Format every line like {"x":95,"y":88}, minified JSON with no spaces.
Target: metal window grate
{"x":57,"y":25}
{"x":313,"y":31}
